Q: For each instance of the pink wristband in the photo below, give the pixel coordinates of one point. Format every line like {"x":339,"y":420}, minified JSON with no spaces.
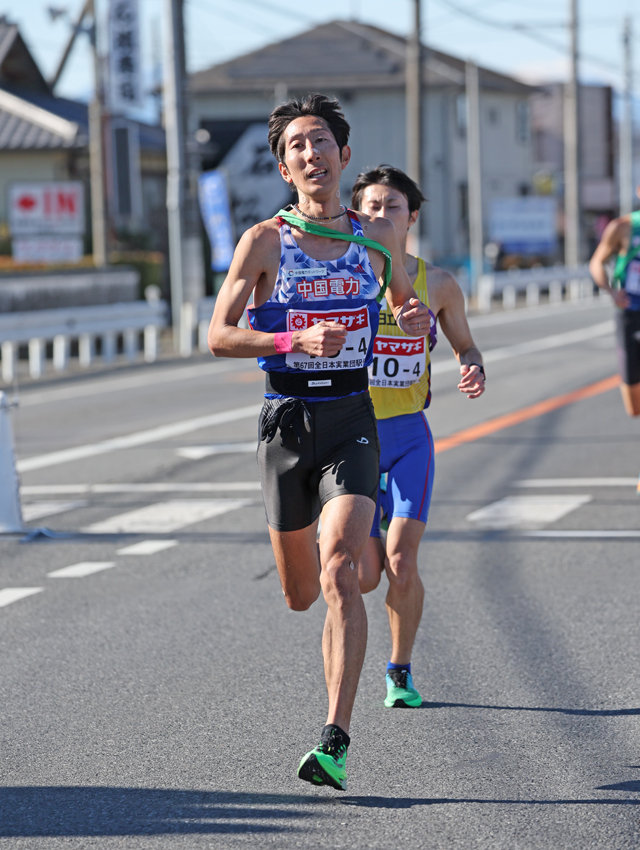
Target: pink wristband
{"x":283,"y":342}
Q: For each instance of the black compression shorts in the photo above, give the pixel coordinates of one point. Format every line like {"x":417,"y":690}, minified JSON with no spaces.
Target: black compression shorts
{"x":310,"y":452}
{"x":628,"y":339}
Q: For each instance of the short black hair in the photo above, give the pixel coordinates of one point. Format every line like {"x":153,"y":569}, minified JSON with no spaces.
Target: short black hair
{"x":387,"y":175}
{"x":319,"y":105}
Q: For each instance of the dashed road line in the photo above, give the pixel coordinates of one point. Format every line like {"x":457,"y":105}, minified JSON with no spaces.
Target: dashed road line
{"x":82,"y":569}
{"x":13,"y":594}
{"x":147,"y":547}
{"x":526,"y":511}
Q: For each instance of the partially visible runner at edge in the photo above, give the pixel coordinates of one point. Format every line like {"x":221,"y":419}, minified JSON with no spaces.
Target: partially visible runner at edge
{"x":400,"y":386}
{"x":621,"y":238}
{"x":313,"y":321}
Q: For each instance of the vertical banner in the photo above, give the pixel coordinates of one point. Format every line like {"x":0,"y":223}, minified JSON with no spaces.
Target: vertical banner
{"x":125,"y":66}
{"x":216,"y":216}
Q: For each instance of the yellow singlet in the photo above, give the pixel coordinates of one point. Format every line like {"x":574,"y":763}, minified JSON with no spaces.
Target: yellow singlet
{"x":400,"y":374}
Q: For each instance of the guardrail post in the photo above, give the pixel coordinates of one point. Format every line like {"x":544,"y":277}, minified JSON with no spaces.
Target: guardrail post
{"x":8,"y":352}
{"x":150,"y":343}
{"x":187,"y":315}
{"x":85,"y":349}
{"x":36,"y":357}
{"x":509,"y":297}
{"x":555,"y":292}
{"x":60,"y":352}
{"x":486,"y":284}
{"x":109,"y":346}
{"x":533,"y":294}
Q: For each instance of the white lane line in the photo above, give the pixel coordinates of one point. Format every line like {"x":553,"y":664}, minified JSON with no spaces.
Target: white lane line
{"x":13,"y":594}
{"x":199,"y":452}
{"x":165,"y":517}
{"x":532,"y":347}
{"x":156,"y":487}
{"x":587,"y":534}
{"x":576,"y":482}
{"x":38,"y":510}
{"x":176,"y":429}
{"x":138,"y":438}
{"x":82,"y":569}
{"x":526,"y":511}
{"x":147,"y":547}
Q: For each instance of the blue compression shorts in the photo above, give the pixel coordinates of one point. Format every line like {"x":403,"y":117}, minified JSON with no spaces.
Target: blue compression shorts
{"x":407,"y":458}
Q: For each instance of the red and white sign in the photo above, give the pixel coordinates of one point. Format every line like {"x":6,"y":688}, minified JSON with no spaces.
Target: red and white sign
{"x":46,"y":207}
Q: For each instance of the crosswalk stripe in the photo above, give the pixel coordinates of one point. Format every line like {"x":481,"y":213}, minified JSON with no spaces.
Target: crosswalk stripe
{"x":165,"y":517}
{"x":147,"y":547}
{"x":13,"y":594}
{"x":526,"y":511}
{"x":82,"y":569}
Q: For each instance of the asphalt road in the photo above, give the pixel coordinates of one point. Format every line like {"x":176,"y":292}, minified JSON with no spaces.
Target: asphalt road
{"x":157,"y":693}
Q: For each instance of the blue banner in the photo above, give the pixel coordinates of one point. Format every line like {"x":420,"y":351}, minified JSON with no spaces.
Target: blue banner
{"x":216,"y":216}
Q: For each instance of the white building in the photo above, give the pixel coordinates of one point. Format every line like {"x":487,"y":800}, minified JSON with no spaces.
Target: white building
{"x":364,"y":67}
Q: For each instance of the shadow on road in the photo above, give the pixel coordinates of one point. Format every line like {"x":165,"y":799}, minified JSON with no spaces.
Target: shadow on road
{"x":92,"y":811}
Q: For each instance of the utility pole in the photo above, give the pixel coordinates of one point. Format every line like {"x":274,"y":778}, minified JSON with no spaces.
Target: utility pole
{"x":175,"y":129}
{"x":96,"y":147}
{"x":413,"y":99}
{"x":474,"y":176}
{"x":572,"y":234}
{"x":96,"y":155}
{"x":626,"y":125}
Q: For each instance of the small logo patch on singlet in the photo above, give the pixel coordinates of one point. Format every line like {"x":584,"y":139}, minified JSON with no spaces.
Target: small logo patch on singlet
{"x":326,"y":383}
{"x":304,"y":272}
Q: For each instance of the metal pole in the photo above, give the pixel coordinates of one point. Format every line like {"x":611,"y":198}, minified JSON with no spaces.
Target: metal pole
{"x":572,"y":235}
{"x":474,"y":176}
{"x":96,"y":156}
{"x":174,"y":75}
{"x":414,"y":114}
{"x":626,"y":126}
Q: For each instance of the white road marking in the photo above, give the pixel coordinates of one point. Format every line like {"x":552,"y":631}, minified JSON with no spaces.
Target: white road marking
{"x":138,"y":438}
{"x":550,"y":483}
{"x":165,"y":517}
{"x":13,"y":594}
{"x":532,"y":346}
{"x":38,"y":510}
{"x":82,"y":569}
{"x":147,"y":547}
{"x":526,"y":511}
{"x":587,"y":534}
{"x":199,"y":452}
{"x":176,"y":429}
{"x":155,"y":487}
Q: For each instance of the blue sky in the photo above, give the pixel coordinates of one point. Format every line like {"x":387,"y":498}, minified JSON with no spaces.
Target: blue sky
{"x":529,"y":41}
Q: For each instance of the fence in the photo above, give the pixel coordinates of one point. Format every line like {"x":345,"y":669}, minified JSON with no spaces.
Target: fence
{"x":558,"y":281}
{"x":106,"y":327}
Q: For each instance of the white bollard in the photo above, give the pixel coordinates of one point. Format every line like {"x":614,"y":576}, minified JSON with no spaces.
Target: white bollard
{"x":10,"y":508}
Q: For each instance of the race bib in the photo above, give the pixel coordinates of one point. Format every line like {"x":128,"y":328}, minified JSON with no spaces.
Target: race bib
{"x":354,"y":350}
{"x":398,"y":361}
{"x":632,"y":278}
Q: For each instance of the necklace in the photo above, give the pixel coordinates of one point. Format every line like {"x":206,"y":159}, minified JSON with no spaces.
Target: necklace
{"x":319,"y":217}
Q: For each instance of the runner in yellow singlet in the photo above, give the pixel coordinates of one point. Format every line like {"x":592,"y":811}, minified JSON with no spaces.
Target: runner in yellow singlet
{"x":400,"y":387}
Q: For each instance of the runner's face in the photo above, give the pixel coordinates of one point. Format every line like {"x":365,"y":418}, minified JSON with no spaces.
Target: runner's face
{"x":312,"y":160}
{"x":380,"y":201}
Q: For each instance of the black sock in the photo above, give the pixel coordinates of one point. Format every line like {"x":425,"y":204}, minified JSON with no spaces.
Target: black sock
{"x":333,"y":738}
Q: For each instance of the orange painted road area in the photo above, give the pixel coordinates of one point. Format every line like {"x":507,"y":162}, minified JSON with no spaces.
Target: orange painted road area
{"x":468,"y":435}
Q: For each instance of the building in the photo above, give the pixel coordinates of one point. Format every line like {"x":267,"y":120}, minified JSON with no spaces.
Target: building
{"x":364,"y":66}
{"x":46,"y":138}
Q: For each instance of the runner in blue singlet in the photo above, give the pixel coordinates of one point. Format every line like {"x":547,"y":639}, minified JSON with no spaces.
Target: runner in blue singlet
{"x":313,"y":317}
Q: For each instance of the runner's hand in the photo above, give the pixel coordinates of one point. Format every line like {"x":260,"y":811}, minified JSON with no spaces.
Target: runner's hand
{"x":413,"y":318}
{"x":324,"y":339}
{"x":472,"y":382}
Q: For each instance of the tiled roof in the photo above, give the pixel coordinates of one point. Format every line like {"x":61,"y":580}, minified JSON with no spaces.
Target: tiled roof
{"x":339,"y":55}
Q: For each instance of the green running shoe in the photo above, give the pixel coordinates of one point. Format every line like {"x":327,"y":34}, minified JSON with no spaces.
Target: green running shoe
{"x":400,"y":690}
{"x":325,"y":768}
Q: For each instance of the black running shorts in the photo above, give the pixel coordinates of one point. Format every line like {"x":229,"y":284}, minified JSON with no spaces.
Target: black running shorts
{"x":310,"y":452}
{"x":628,"y":339}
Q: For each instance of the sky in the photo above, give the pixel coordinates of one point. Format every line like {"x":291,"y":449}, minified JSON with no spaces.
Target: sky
{"x":517,"y":37}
